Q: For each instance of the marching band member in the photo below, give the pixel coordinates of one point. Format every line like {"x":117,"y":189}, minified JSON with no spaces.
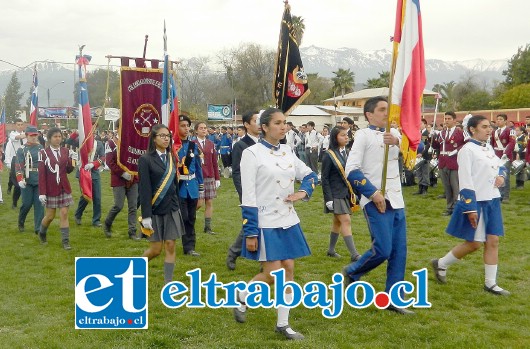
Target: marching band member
{"x":520,"y":154}
{"x":503,"y":142}
{"x":27,"y":166}
{"x":271,"y":226}
{"x":477,"y":218}
{"x":54,"y":188}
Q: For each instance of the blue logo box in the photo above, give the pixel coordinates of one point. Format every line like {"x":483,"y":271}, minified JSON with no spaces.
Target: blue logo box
{"x":111,"y":293}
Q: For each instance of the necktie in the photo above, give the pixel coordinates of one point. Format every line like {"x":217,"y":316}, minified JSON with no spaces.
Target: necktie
{"x":202,"y":144}
{"x":343,"y":153}
{"x":163,"y":157}
{"x":57,"y":155}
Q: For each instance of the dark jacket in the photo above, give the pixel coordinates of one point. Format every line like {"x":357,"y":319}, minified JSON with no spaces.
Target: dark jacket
{"x":237,"y":152}
{"x":151,"y":170}
{"x":332,"y":181}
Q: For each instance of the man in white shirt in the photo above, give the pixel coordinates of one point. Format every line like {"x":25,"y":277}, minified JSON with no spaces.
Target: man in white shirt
{"x":311,"y":146}
{"x":291,"y":138}
{"x":17,"y":138}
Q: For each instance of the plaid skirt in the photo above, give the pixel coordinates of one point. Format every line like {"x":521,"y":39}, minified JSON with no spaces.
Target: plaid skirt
{"x":209,"y":189}
{"x":62,"y":200}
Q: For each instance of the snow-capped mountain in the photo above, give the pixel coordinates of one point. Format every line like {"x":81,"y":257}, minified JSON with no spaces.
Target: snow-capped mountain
{"x":369,"y":64}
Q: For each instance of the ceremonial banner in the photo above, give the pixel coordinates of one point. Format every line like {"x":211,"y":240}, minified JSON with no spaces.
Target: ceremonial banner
{"x":84,"y":128}
{"x":34,"y":99}
{"x":408,"y":80}
{"x":290,"y":86}
{"x":141,"y":96}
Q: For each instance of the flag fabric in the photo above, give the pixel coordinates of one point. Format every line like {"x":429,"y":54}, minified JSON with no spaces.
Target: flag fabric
{"x":84,"y":127}
{"x":408,"y":80}
{"x":169,"y":104}
{"x":34,"y":107}
{"x":2,"y":131}
{"x":290,"y":86}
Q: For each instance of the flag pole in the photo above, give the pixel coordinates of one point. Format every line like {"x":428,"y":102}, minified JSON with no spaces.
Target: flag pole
{"x":387,"y":147}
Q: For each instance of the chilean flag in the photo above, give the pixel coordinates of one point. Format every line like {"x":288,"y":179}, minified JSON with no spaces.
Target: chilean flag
{"x":34,"y":99}
{"x":409,"y":80}
{"x":170,"y":105}
{"x":84,"y":126}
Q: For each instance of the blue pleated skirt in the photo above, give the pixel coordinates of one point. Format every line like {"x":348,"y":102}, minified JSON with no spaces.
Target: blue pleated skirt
{"x":489,"y":221}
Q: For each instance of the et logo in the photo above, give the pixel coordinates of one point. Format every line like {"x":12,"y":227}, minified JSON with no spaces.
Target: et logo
{"x":111,"y":293}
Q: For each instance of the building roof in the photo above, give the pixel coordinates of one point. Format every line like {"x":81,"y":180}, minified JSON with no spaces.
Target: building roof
{"x":310,"y":110}
{"x":369,"y":93}
{"x":342,"y":109}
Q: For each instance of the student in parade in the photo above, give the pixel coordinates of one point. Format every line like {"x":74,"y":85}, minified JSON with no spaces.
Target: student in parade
{"x":124,"y":185}
{"x":27,"y":167}
{"x":54,"y":188}
{"x":477,"y":218}
{"x":503,"y":142}
{"x":271,"y":226}
{"x":210,"y":173}
{"x":384,"y":212}
{"x":190,"y":185}
{"x":16,"y":139}
{"x":158,"y":182}
{"x":339,"y":198}
{"x":252,"y":128}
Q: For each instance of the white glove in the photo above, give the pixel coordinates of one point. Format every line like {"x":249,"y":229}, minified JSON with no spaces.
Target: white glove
{"x":89,"y":166}
{"x":22,"y":184}
{"x":73,"y":155}
{"x":126,"y":175}
{"x":504,"y":157}
{"x":217,"y":184}
{"x":329,"y":205}
{"x":42,"y":199}
{"x":147,"y":223}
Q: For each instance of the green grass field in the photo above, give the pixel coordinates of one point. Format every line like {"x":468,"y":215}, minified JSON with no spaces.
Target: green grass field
{"x":37,"y":285}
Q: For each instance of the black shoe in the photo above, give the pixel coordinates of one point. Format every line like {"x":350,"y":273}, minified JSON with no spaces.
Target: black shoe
{"x":193,"y":253}
{"x":66,"y":245}
{"x":13,"y":206}
{"x":441,"y":278}
{"x":401,"y":311}
{"x":21,"y":228}
{"x":134,"y":237}
{"x":97,"y":225}
{"x":77,"y":220}
{"x":107,"y":231}
{"x":293,"y":336}
{"x":42,"y":238}
{"x":333,"y":255}
{"x":500,"y":292}
{"x":231,"y":262}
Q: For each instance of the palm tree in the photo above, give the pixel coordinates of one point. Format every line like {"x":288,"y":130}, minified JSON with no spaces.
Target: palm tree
{"x":382,"y":81}
{"x":343,"y":81}
{"x":447,"y":90}
{"x":298,"y":28}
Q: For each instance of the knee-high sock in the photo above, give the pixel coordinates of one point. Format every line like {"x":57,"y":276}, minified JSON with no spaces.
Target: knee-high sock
{"x":348,"y":240}
{"x":65,"y":234}
{"x":283,"y":312}
{"x":333,"y":237}
{"x":242,"y":296}
{"x":207,"y":223}
{"x":168,"y":272}
{"x":490,"y":271}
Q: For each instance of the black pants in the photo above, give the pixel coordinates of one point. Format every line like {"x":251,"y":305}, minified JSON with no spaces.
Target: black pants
{"x":13,"y":183}
{"x":226,"y":159}
{"x":188,"y":208}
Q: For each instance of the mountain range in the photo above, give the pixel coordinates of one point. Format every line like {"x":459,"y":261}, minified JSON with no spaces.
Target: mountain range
{"x":365,"y":65}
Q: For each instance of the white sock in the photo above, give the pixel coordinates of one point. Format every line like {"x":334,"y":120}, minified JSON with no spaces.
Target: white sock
{"x":490,"y":271}
{"x":283,"y":313}
{"x":446,"y":261}
{"x":242,"y":296}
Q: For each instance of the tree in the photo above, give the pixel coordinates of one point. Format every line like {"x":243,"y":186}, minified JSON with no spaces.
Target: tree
{"x":12,"y":98}
{"x":298,"y":28}
{"x":97,"y":86}
{"x":475,"y":100}
{"x":321,"y":89}
{"x":516,"y":97}
{"x":382,"y":81}
{"x":343,"y":81}
{"x":447,"y":90}
{"x":518,"y":71}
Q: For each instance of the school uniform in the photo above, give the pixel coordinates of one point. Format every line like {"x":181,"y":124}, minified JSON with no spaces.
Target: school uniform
{"x":210,"y":167}
{"x":27,"y":167}
{"x":190,"y":186}
{"x":333,"y":186}
{"x":165,"y":211}
{"x":503,"y":142}
{"x":387,"y":230}
{"x":269,"y":177}
{"x":478,"y":168}
{"x":54,"y":167}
